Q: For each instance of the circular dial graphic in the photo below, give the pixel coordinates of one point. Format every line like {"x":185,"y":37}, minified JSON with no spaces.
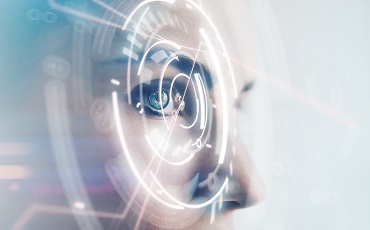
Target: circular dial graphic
{"x":170,"y":104}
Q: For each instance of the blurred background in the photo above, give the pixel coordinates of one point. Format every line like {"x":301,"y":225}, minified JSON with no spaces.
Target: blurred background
{"x":306,"y":124}
{"x":315,"y":68}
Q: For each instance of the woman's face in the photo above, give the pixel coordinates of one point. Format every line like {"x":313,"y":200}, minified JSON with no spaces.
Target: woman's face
{"x":164,"y":95}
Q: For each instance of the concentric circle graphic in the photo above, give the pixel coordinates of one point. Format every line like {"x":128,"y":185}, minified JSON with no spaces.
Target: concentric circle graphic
{"x":182,"y":105}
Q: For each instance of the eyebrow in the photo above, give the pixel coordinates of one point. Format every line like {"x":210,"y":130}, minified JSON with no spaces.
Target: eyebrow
{"x":248,"y":86}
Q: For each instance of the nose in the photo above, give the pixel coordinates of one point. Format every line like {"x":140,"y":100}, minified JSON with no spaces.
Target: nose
{"x":246,"y":187}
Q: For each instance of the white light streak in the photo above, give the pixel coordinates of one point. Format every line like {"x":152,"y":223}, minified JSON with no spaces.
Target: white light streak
{"x":220,"y":202}
{"x":221,"y":43}
{"x":130,"y":53}
{"x":79,"y":205}
{"x":140,"y":32}
{"x":177,"y":21}
{"x":147,"y":24}
{"x":165,"y":160}
{"x":225,"y":116}
{"x":213,"y":211}
{"x":196,"y":117}
{"x":185,"y":28}
{"x":154,"y":19}
{"x":134,"y":41}
{"x":202,"y":101}
{"x":138,"y":7}
{"x":159,"y":56}
{"x":108,"y":7}
{"x":126,"y":152}
{"x":12,"y":172}
{"x":192,"y":206}
{"x":160,"y":15}
{"x":171,"y":43}
{"x":114,"y":81}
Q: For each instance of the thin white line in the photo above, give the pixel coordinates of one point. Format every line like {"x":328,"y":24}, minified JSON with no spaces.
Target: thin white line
{"x":170,"y":19}
{"x":220,"y":199}
{"x":114,"y":81}
{"x":213,"y":210}
{"x":138,"y":7}
{"x":185,"y":28}
{"x":141,"y":32}
{"x":130,"y":53}
{"x":133,"y":40}
{"x":147,"y":24}
{"x":202,"y":101}
{"x":192,"y":206}
{"x":163,"y":19}
{"x":154,"y":19}
{"x":126,"y":152}
{"x":177,"y":22}
{"x":223,"y":96}
{"x":106,"y":6}
{"x":221,"y":43}
{"x":162,"y":158}
{"x":155,"y":44}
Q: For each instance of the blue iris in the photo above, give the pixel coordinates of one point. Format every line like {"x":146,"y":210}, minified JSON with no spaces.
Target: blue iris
{"x":154,"y":100}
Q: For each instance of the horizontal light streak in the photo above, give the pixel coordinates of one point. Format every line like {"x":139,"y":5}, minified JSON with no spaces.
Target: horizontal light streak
{"x":12,"y":172}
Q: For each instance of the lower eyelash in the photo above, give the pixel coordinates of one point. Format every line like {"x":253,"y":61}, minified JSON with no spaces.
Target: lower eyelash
{"x":144,"y":101}
{"x":157,"y":113}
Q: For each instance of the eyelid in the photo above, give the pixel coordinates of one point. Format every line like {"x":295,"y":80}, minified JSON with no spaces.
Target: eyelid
{"x":148,"y":86}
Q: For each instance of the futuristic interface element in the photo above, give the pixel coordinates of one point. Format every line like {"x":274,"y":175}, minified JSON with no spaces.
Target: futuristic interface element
{"x":167,"y":82}
{"x":168,"y":99}
{"x":169,"y":107}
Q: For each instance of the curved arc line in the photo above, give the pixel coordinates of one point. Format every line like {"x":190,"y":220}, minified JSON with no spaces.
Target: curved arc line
{"x":223,"y":97}
{"x":191,"y":206}
{"x":197,"y":101}
{"x":151,"y":47}
{"x":225,"y":54}
{"x":128,"y":157}
{"x":128,"y":81}
{"x":167,"y":161}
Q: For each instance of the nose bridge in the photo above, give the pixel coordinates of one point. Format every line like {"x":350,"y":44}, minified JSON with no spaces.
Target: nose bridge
{"x":246,"y":186}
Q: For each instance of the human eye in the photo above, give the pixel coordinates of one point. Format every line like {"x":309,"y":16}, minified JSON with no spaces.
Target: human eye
{"x":158,"y":99}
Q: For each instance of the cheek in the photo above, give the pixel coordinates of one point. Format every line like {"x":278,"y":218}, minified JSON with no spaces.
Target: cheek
{"x":147,"y":138}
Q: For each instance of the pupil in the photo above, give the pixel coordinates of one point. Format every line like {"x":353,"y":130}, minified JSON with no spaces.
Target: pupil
{"x":155,"y":101}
